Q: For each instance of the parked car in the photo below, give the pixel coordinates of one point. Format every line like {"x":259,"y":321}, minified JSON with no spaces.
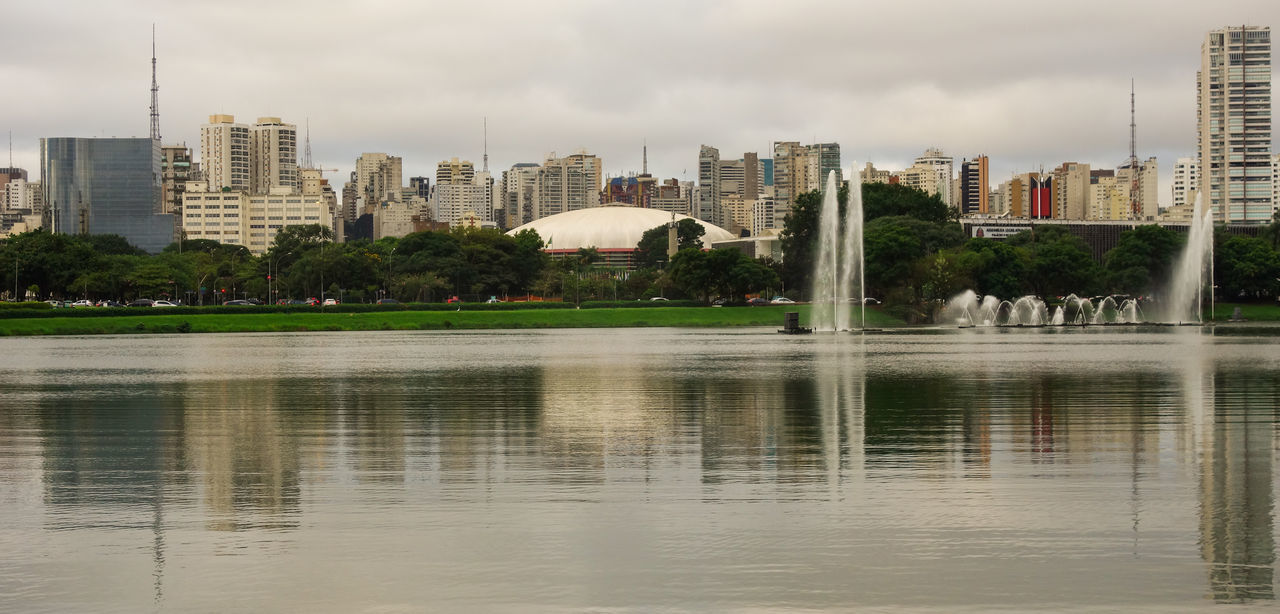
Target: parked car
{"x":870,"y":301}
{"x":388,"y":301}
{"x":142,"y":302}
{"x":163,"y":303}
{"x":782,"y":300}
{"x":109,"y":303}
{"x":313,"y":301}
{"x":329,"y":302}
{"x":82,"y":303}
{"x":454,"y":299}
{"x":237,"y":302}
{"x":658,"y":299}
{"x":758,"y":301}
{"x":254,"y":301}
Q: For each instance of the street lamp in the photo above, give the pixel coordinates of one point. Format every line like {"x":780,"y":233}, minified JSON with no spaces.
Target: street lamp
{"x":389,"y":256}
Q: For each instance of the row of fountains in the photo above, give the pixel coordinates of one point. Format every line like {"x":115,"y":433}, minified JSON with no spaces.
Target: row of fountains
{"x":839,"y":282}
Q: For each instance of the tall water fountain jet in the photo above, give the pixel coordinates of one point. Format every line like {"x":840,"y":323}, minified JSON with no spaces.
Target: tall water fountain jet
{"x":1194,"y":270}
{"x":838,"y":269}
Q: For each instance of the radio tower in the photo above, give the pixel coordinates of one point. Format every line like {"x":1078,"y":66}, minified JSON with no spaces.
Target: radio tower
{"x":155,"y":90}
{"x":1135,"y":207}
{"x":486,"y":144}
{"x":306,"y":151}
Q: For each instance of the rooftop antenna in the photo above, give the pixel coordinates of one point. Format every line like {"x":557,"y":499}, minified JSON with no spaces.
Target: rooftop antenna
{"x":1135,"y":207}
{"x":306,"y":151}
{"x":486,"y":144}
{"x":645,"y":164}
{"x":155,"y":90}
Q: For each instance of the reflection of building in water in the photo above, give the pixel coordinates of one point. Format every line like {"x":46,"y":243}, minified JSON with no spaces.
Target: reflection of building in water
{"x":1238,"y":489}
{"x":373,"y":426}
{"x":246,"y":458}
{"x":592,"y":418}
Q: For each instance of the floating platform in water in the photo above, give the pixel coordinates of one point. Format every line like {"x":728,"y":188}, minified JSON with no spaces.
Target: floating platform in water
{"x":791,"y":324}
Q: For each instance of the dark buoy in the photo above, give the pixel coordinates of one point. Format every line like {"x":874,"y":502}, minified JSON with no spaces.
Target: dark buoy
{"x":791,"y":325}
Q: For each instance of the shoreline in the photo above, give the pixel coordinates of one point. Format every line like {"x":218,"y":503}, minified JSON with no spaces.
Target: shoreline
{"x":690,"y":317}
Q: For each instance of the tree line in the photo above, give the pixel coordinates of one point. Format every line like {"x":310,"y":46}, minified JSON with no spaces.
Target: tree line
{"x":916,"y":256}
{"x":303,"y":262}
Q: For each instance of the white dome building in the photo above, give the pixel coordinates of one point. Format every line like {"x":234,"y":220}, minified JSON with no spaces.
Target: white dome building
{"x":613,"y":230}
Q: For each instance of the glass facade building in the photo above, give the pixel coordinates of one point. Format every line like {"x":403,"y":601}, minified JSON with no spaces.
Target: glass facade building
{"x":105,"y":186}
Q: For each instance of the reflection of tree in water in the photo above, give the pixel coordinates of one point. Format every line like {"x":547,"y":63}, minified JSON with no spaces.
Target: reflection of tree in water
{"x":114,"y":448}
{"x":1238,"y":487}
{"x":930,"y":419}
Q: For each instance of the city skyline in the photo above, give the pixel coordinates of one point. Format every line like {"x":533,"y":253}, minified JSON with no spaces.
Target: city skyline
{"x":731,"y":75}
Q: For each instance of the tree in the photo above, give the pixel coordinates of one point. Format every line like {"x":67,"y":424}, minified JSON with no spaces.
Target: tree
{"x":1141,"y":259}
{"x":800,"y":229}
{"x":1001,"y":269}
{"x":1246,"y":267}
{"x":894,"y":199}
{"x":1059,"y":263}
{"x":893,"y":245}
{"x":651,"y":250}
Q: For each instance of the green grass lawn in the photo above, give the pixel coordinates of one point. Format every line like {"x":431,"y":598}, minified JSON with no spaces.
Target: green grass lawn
{"x":1254,"y":312}
{"x":417,"y":320}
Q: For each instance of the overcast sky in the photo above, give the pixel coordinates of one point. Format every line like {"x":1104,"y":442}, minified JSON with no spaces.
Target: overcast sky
{"x":1026,"y":83}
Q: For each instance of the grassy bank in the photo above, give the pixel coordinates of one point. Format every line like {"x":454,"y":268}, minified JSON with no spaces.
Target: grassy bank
{"x":414,"y":320}
{"x":1254,"y":312}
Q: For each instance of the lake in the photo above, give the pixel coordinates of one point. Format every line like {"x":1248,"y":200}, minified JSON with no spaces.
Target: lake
{"x":634,"y":470}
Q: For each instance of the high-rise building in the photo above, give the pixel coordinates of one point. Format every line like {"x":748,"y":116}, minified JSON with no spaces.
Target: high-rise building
{"x":708,"y":183}
{"x":273,"y":147}
{"x":1186,"y":180}
{"x":421,"y":186}
{"x":870,"y":174}
{"x":803,"y":168}
{"x":975,"y":186}
{"x":931,"y":174}
{"x":224,"y":153}
{"x":1275,"y":186}
{"x":1070,"y":189}
{"x":674,"y":196}
{"x":517,"y":193}
{"x":1233,"y":116}
{"x":566,"y":184}
{"x":105,"y":186}
{"x":378,"y":178}
{"x":1147,"y":184}
{"x":461,"y":192}
{"x":13,"y":189}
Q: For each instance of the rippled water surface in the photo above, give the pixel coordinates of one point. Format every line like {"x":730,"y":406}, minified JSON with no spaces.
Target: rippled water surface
{"x":640,"y":470}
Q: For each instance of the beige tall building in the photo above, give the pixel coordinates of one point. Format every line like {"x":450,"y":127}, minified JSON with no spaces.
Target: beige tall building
{"x":566,"y":184}
{"x":379,"y":177}
{"x":461,"y":193}
{"x":870,"y":174}
{"x":1146,"y":196}
{"x":1070,"y":190}
{"x":273,"y":155}
{"x":517,"y":193}
{"x":224,"y":153}
{"x":1233,"y":116}
{"x":931,"y":173}
{"x":257,"y":159}
{"x":803,"y":168}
